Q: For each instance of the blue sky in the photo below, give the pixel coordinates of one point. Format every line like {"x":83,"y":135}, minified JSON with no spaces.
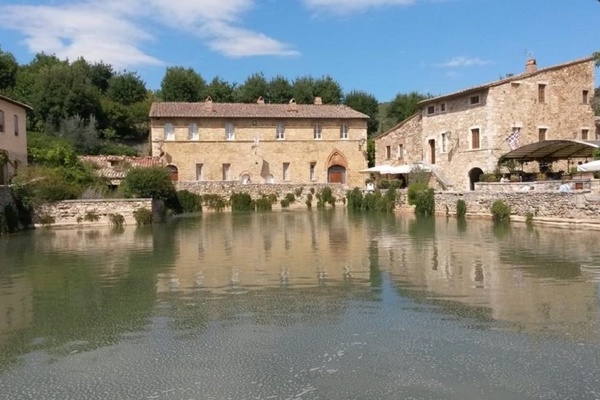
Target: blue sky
{"x":383,"y":47}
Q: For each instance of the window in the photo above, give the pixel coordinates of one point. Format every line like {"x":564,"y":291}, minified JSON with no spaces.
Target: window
{"x":317,"y":131}
{"x":541,"y":93}
{"x":443,"y":107}
{"x":169,"y":132}
{"x":1,"y":121}
{"x":542,"y":133}
{"x":280,"y":132}
{"x":475,"y":138}
{"x":584,"y":134}
{"x":226,"y":168}
{"x":444,"y":149}
{"x":313,"y":171}
{"x":286,"y":171}
{"x":16,"y":121}
{"x":193,"y":132}
{"x":430,"y":110}
{"x":585,"y":96}
{"x":388,"y":152}
{"x":229,"y":131}
{"x":344,"y":131}
{"x":474,"y":100}
{"x":400,"y":152}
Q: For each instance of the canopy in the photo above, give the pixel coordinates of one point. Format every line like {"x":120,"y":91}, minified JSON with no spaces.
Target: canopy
{"x":393,"y":170}
{"x":589,"y":167}
{"x":552,"y":150}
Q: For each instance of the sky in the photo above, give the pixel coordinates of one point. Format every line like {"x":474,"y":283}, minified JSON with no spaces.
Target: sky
{"x":382,"y":47}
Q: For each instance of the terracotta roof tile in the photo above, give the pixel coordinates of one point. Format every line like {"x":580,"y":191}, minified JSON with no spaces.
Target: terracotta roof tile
{"x":209,"y":109}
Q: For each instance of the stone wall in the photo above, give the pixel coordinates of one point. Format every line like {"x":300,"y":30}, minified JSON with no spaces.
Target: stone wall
{"x":256,"y":191}
{"x":73,"y":212}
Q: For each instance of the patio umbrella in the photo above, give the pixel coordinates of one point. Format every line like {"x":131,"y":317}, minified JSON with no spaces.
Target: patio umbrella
{"x":589,"y":167}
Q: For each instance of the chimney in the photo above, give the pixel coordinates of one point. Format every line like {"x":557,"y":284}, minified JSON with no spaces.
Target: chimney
{"x":260,"y":100}
{"x":292,"y":106}
{"x":208,"y":104}
{"x":531,"y":65}
{"x":318,"y":100}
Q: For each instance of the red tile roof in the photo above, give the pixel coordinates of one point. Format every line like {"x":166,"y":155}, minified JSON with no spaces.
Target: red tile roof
{"x":15,"y":102}
{"x":208,"y":109}
{"x":116,"y":167}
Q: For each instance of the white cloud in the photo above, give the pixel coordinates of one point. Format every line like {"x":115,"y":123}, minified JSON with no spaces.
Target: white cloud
{"x":463,"y":62}
{"x":114,"y":31}
{"x":347,"y":6}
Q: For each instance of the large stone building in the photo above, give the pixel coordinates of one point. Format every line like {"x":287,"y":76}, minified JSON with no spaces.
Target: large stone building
{"x":260,"y":143}
{"x":463,"y":134}
{"x":13,"y":137}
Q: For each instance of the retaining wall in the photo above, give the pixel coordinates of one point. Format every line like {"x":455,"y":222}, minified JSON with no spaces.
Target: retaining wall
{"x":5,"y":197}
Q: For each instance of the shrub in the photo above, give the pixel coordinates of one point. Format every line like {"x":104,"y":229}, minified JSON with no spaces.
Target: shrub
{"x":395,"y":183}
{"x":384,"y":184}
{"x":11,"y":217}
{"x":285,"y":203}
{"x":264,"y":204}
{"x":241,"y":202}
{"x":529,"y":218}
{"x":46,"y":219}
{"x":189,"y":202}
{"x":308,"y":204}
{"x":422,"y":197}
{"x":91,"y":216}
{"x":117,"y":220}
{"x":290,"y":197}
{"x":214,"y":202}
{"x":298,"y":191}
{"x":491,"y":177}
{"x":500,"y":211}
{"x":143,"y":216}
{"x":327,"y":196}
{"x":152,"y":182}
{"x":461,"y":208}
{"x":355,"y":199}
{"x":312,"y":190}
{"x":272,"y":198}
{"x":3,"y":225}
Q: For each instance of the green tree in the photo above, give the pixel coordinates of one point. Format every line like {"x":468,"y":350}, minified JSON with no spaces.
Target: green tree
{"x":152,"y":182}
{"x":280,"y":90}
{"x":405,"y":105}
{"x":126,"y":88}
{"x":303,"y":89}
{"x":83,"y":135}
{"x":328,"y":89}
{"x":8,"y":70}
{"x":180,"y":84}
{"x":221,"y":91}
{"x":367,"y":104}
{"x":254,"y":87}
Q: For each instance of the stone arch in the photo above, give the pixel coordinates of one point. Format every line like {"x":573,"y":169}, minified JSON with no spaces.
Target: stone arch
{"x":337,"y":158}
{"x":246,"y":177}
{"x":174,"y":172}
{"x":474,"y":175}
{"x":336,"y":167}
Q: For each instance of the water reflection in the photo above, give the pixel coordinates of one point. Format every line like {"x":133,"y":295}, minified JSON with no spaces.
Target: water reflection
{"x":318,"y":277}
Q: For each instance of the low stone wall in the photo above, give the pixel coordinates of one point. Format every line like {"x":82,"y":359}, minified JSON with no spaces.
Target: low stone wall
{"x":581,"y":204}
{"x":536,"y":186}
{"x":73,"y":212}
{"x":256,"y":191}
{"x":5,"y":197}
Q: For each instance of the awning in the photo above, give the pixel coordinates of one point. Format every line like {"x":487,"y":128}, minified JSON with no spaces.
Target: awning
{"x":592,"y":166}
{"x":394,"y":169}
{"x":552,"y":150}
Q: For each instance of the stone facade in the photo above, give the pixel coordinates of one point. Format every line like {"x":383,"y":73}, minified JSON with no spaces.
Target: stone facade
{"x":13,"y":136}
{"x":463,"y":134}
{"x":260,"y":143}
{"x":73,"y":212}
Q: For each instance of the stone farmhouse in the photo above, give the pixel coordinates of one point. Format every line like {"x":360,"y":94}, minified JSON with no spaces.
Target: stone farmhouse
{"x":115,"y":168}
{"x":260,"y":143}
{"x":13,"y":137}
{"x":463,"y":134}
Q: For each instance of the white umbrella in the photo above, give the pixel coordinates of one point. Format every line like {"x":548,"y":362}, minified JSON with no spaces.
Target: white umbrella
{"x":589,"y":167}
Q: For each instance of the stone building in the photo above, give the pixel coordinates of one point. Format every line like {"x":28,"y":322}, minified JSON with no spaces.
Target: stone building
{"x":260,"y":143}
{"x":463,"y":134}
{"x":13,"y":137}
{"x":115,"y":168}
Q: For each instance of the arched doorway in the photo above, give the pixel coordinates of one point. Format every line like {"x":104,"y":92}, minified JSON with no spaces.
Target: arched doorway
{"x":336,"y":167}
{"x":174,"y":173}
{"x":474,"y":175}
{"x":336,"y":174}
